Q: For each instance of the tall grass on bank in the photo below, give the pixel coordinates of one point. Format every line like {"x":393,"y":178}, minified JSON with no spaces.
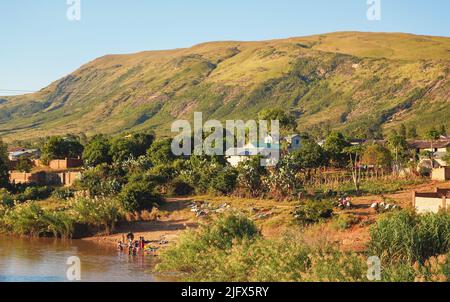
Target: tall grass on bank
{"x":31,"y":219}
{"x":230,"y":249}
{"x":405,"y":236}
{"x":98,"y":211}
{"x":204,"y":254}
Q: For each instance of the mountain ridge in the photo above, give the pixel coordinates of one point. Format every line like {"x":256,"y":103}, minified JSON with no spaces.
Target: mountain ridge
{"x":360,"y":83}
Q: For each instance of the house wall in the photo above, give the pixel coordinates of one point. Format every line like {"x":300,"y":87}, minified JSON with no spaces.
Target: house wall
{"x":441,"y":174}
{"x":19,"y":177}
{"x":60,"y":164}
{"x":44,"y":178}
{"x":69,"y":178}
{"x":67,"y":163}
{"x":22,"y":177}
{"x":430,"y":202}
{"x":428,"y":205}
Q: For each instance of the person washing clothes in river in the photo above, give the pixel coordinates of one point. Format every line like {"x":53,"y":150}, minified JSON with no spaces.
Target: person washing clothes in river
{"x":130,"y":236}
{"x":141,"y":243}
{"x":120,"y":245}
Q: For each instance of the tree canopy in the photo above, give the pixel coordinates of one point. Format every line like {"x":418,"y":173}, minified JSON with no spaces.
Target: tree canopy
{"x":57,"y":147}
{"x":4,"y":175}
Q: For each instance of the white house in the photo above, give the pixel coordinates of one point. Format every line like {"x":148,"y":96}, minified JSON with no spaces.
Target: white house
{"x":238,"y":155}
{"x":15,"y":154}
{"x":438,"y":148}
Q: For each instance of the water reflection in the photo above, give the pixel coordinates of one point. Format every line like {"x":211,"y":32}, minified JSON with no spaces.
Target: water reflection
{"x":33,"y":259}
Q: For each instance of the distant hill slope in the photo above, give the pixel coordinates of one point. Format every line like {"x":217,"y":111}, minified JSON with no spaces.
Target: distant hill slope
{"x":355,"y":82}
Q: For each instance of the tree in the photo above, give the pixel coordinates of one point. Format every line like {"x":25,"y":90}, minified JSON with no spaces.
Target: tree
{"x":377,"y":156}
{"x":224,"y":181}
{"x":4,"y":170}
{"x":399,"y":148}
{"x":354,"y":153}
{"x":334,"y":145}
{"x":160,"y":152}
{"x":130,"y":146}
{"x":432,"y":135}
{"x":24,"y":165}
{"x":412,"y":132}
{"x":310,"y":155}
{"x":250,"y":173}
{"x":97,"y":151}
{"x":447,"y":156}
{"x":57,"y":147}
{"x":139,"y":193}
{"x":287,"y":120}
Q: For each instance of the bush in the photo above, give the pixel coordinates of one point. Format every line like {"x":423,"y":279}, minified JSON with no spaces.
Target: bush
{"x":225,"y":181}
{"x":404,"y":236}
{"x":179,"y":187}
{"x":138,"y":194}
{"x":63,"y":193}
{"x":191,"y":253}
{"x":30,"y":219}
{"x":102,"y":180}
{"x":35,"y":193}
{"x":6,"y":199}
{"x":99,"y":212}
{"x":313,"y":211}
{"x":345,"y":221}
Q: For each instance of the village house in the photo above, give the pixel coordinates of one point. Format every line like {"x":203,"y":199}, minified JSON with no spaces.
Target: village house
{"x":438,"y":150}
{"x":57,"y":172}
{"x":294,"y":142}
{"x":17,"y":153}
{"x":238,"y":155}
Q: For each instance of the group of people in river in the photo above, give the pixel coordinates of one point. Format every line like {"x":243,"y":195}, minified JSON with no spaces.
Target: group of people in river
{"x":133,"y":246}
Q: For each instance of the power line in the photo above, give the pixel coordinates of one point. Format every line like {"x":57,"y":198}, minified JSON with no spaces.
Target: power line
{"x":17,"y":90}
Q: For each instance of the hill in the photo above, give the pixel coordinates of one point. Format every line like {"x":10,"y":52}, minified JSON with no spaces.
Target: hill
{"x":360,"y":83}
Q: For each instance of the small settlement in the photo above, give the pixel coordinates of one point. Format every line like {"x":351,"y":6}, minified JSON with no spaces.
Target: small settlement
{"x":56,"y":172}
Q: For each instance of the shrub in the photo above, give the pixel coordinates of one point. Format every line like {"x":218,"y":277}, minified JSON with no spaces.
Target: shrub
{"x":138,"y":194}
{"x":59,"y":224}
{"x":103,"y":180}
{"x":63,"y":193}
{"x":225,"y":181}
{"x":6,"y":198}
{"x":259,"y":260}
{"x":226,"y":229}
{"x":313,"y":211}
{"x":31,"y":219}
{"x":404,"y":236}
{"x":345,"y":221}
{"x":191,"y":253}
{"x":35,"y":193}
{"x":98,"y":211}
{"x":179,"y":187}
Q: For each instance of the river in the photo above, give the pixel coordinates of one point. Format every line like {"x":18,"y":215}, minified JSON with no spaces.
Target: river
{"x":43,"y":259}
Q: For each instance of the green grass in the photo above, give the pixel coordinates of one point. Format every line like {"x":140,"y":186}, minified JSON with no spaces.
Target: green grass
{"x":197,"y":257}
{"x":374,"y":187}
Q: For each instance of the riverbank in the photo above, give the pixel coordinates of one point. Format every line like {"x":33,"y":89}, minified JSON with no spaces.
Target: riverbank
{"x":272,"y":217}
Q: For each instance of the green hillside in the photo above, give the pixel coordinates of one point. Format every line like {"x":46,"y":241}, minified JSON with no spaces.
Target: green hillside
{"x":360,"y":83}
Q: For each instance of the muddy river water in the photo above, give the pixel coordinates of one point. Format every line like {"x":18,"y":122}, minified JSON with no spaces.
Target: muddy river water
{"x":41,"y":260}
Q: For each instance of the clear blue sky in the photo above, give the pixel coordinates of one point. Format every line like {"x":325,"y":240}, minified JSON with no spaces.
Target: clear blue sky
{"x":39,"y":45}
